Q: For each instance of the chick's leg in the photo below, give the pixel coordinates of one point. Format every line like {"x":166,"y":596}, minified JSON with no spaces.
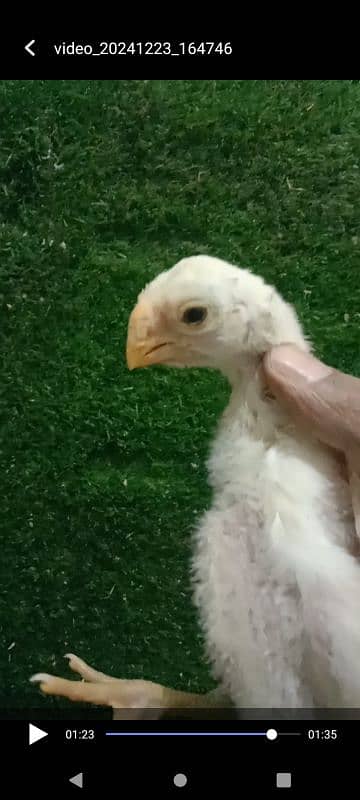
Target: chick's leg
{"x":103,"y":690}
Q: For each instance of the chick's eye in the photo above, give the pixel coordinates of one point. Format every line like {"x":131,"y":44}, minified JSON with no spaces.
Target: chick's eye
{"x":193,"y":316}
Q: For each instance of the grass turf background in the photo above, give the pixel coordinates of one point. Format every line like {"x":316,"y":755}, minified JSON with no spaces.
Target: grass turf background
{"x":102,"y":185}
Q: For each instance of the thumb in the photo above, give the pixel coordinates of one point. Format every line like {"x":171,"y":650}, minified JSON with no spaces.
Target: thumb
{"x":326,"y":400}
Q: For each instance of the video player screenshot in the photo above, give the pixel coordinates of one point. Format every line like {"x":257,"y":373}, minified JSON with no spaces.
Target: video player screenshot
{"x":180,"y":427}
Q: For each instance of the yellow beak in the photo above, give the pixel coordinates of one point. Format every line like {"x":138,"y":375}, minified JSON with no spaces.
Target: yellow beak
{"x":145,"y":343}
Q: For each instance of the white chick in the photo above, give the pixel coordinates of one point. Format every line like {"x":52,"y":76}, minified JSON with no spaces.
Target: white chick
{"x":276,"y":577}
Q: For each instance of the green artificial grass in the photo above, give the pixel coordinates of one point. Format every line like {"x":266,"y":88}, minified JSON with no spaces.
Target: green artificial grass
{"x":102,"y":185}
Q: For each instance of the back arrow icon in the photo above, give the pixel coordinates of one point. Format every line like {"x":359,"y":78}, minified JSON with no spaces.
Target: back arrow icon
{"x":28,"y":47}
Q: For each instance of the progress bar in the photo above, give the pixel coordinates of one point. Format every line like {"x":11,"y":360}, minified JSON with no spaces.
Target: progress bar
{"x":271,"y":734}
{"x":183,"y":733}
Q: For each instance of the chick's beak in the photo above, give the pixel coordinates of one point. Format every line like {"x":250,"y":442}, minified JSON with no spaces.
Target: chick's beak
{"x":147,"y":343}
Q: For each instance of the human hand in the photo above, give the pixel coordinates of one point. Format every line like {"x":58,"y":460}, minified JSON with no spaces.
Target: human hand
{"x":323,"y":399}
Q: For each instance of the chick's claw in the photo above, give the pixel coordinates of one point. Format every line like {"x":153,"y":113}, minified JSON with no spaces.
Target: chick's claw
{"x":100,"y":689}
{"x":87,"y":673}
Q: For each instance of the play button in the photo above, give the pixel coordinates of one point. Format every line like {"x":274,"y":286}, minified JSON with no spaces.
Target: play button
{"x":35,"y":734}
{"x":78,"y":780}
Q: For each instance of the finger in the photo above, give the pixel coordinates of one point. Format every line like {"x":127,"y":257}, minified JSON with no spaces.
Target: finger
{"x":323,"y":398}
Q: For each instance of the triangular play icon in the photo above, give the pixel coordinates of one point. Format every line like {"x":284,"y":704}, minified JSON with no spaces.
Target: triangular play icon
{"x":35,"y":734}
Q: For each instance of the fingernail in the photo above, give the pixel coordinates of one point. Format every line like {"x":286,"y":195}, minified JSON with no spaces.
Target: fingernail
{"x":304,"y":364}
